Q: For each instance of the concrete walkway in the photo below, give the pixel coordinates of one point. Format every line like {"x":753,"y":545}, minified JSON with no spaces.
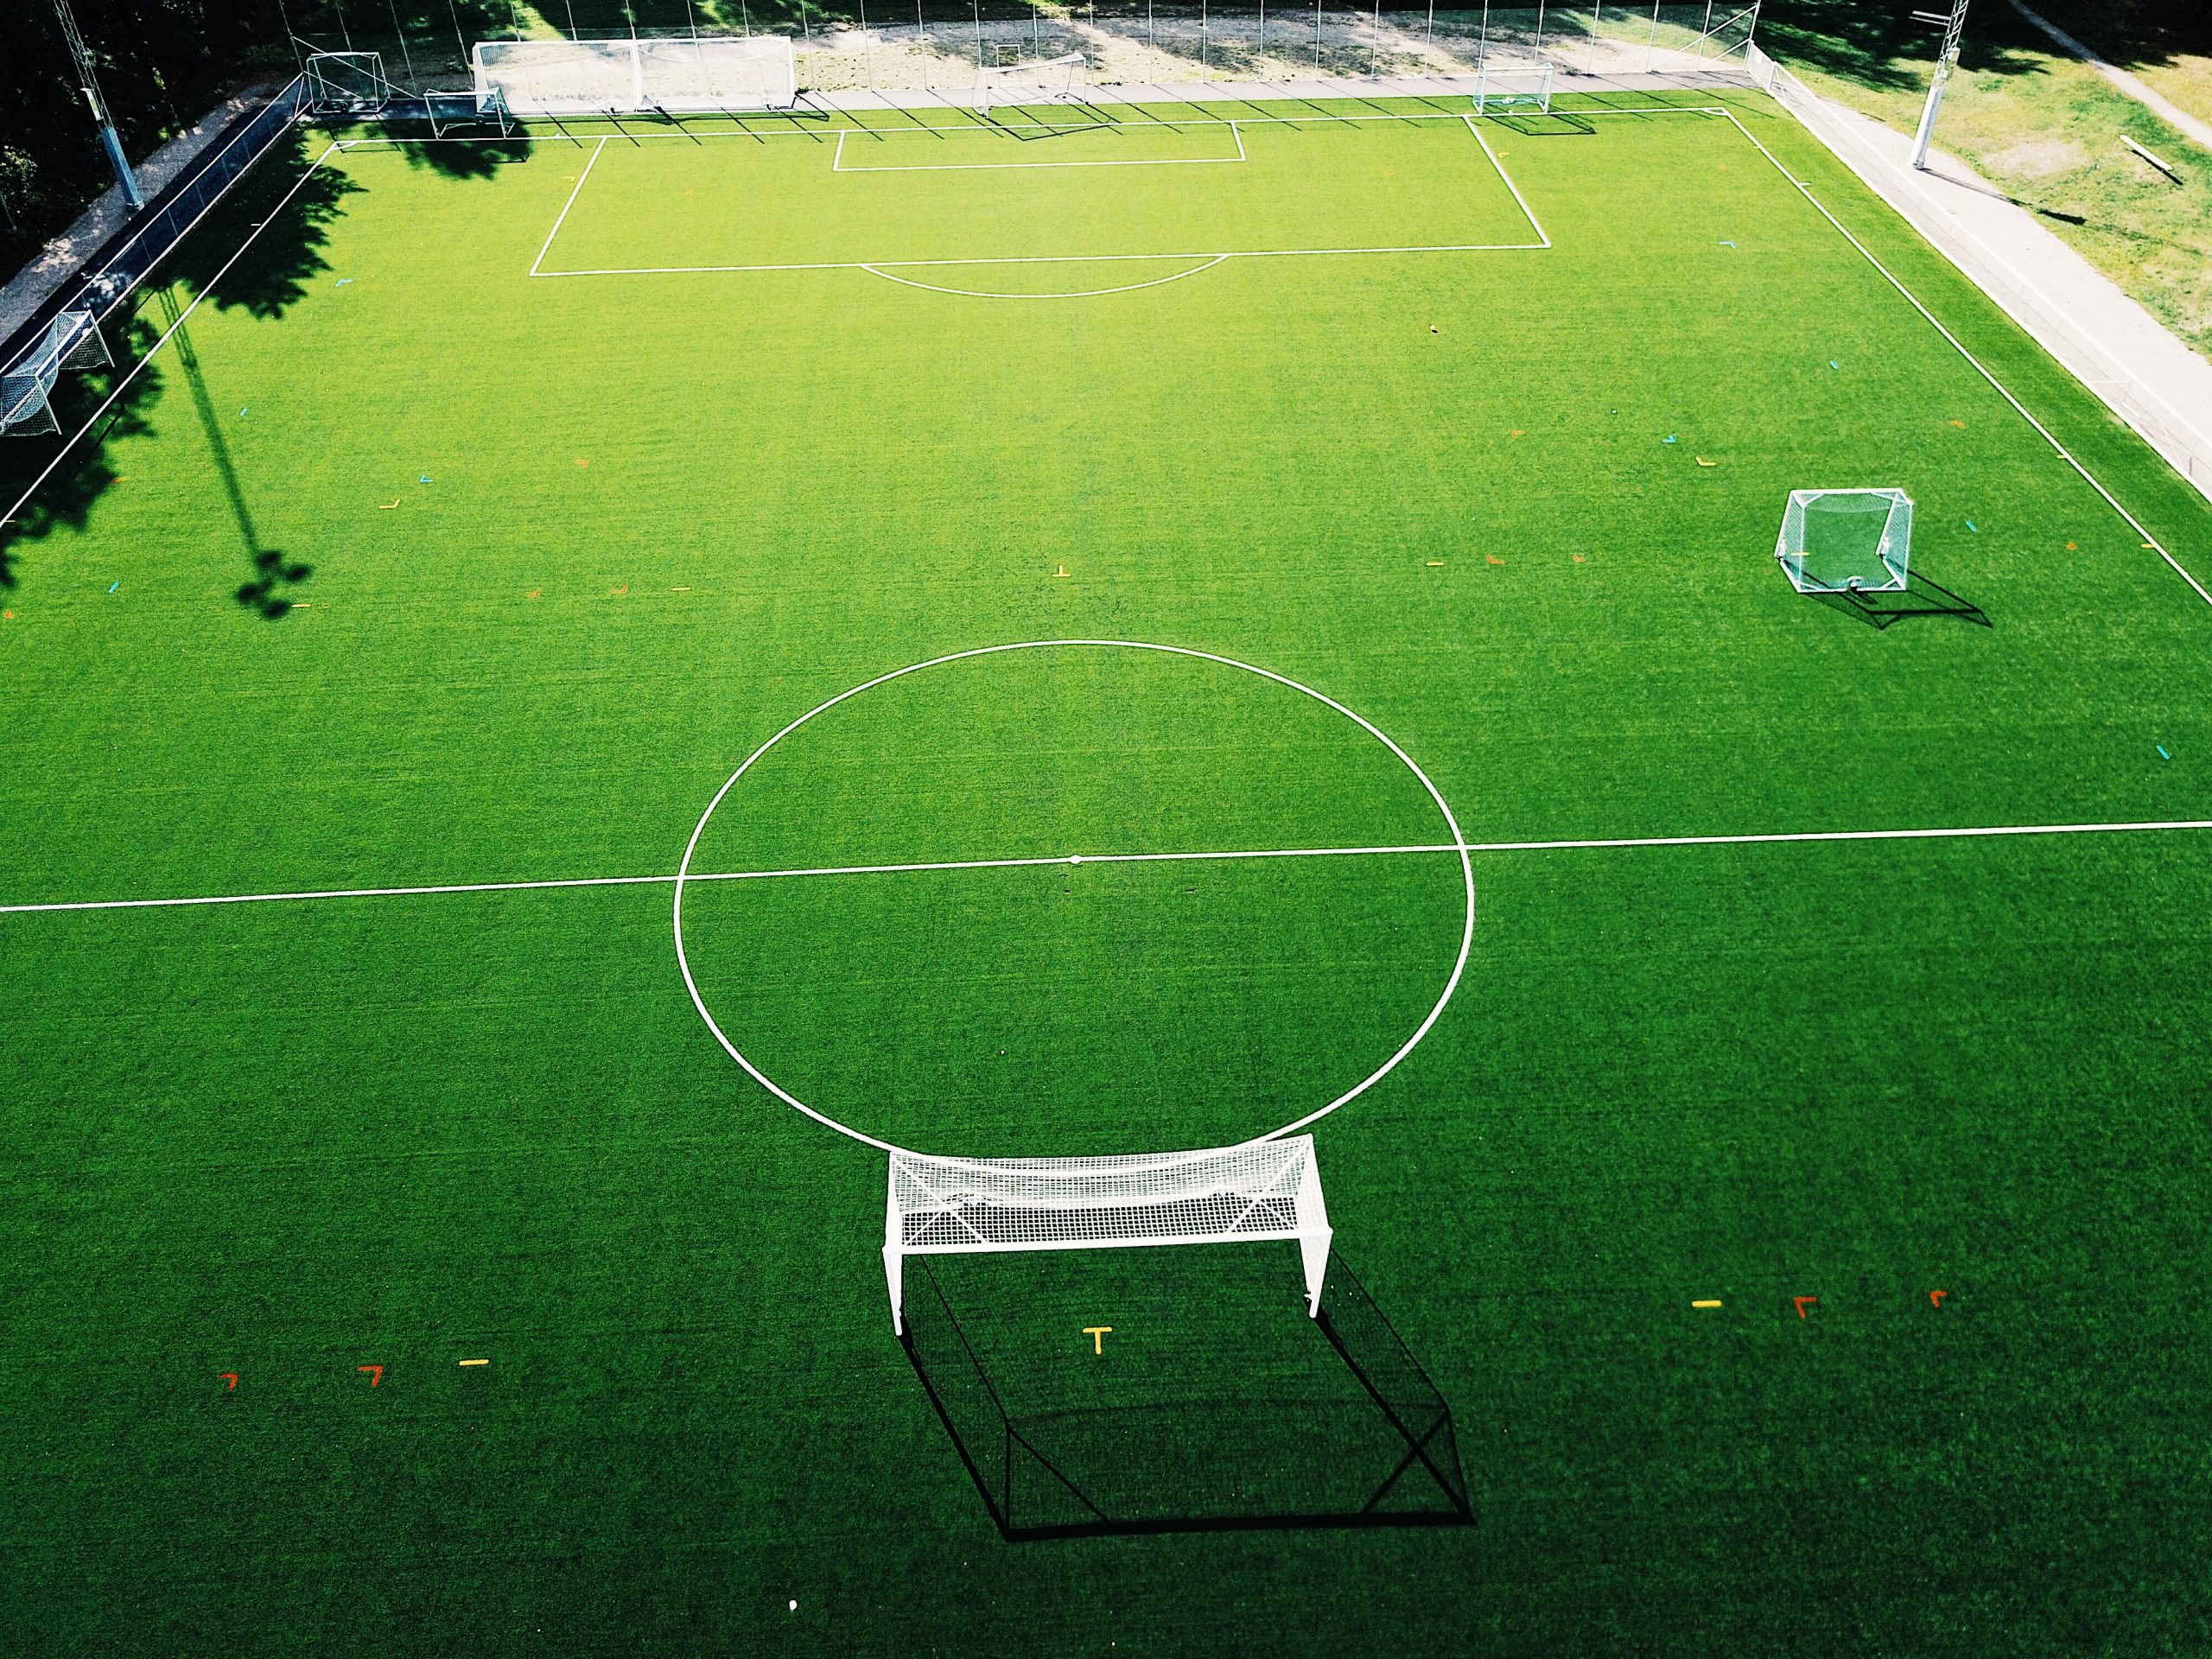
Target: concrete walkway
{"x":2198,"y":132}
{"x":2110,"y":343}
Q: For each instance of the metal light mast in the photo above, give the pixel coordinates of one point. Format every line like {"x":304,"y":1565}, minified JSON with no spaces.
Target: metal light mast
{"x":89,"y":84}
{"x":1945,"y":60}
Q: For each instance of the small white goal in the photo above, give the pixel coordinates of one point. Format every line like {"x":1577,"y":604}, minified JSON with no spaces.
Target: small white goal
{"x":1509,"y":87}
{"x":72,"y":340}
{"x":723,"y":74}
{"x":966,"y":1206}
{"x":1041,"y":80}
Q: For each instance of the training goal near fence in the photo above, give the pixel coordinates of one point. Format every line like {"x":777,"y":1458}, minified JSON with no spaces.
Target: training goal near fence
{"x":1857,"y":541}
{"x":707,"y":75}
{"x":964,"y":1206}
{"x":1041,"y":81}
{"x":1508,"y":88}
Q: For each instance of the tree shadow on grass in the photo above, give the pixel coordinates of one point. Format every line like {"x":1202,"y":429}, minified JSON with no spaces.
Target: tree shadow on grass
{"x":1883,"y":47}
{"x":272,"y":273}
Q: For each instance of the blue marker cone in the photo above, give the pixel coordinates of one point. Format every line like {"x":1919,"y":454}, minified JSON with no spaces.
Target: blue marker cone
{"x":112,"y":586}
{"x":2161,"y":748}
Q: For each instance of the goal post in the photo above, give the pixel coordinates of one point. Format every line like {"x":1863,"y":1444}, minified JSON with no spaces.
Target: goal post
{"x":1041,"y":80}
{"x":711,"y":74}
{"x":955,"y":1206}
{"x":72,"y":340}
{"x":1503,"y":89}
{"x":1847,"y":541}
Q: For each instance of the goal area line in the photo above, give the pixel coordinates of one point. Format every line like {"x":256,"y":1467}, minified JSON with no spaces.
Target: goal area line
{"x":1069,"y":861}
{"x":1211,"y":256}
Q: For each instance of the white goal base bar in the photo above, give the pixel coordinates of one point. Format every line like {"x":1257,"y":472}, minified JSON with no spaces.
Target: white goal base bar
{"x":711,"y":74}
{"x":1234,"y":1195}
{"x":72,"y":340}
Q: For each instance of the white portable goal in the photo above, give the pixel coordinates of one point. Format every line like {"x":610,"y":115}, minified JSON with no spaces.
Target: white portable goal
{"x":465,"y":111}
{"x":966,"y":1206}
{"x":72,"y":340}
{"x":717,"y":73}
{"x":1505,"y":88}
{"x":1041,"y":80}
{"x":1847,"y":541}
{"x":346,"y":83}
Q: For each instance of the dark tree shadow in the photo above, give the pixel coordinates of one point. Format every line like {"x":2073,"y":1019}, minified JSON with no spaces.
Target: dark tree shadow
{"x":1882,"y":46}
{"x":272,"y":272}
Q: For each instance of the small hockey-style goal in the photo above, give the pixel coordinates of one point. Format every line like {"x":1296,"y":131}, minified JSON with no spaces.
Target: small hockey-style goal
{"x":954,"y":1206}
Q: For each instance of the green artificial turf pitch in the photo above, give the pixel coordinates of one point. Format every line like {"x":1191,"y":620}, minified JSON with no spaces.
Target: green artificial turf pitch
{"x":399,"y":566}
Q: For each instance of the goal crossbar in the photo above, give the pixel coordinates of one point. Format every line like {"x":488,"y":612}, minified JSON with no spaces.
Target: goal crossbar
{"x":954,"y":1206}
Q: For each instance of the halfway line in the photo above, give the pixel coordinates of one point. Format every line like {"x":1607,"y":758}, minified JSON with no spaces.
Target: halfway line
{"x":1594,"y":844}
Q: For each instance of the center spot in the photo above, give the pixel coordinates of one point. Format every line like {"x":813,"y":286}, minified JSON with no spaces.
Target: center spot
{"x":1084,"y":1003}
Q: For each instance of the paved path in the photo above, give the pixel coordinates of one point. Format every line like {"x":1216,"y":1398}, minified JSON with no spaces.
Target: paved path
{"x":2147,"y":376}
{"x":2165,"y":108}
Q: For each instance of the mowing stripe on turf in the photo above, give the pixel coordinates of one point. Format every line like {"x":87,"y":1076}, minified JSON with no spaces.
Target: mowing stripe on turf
{"x":1591,"y":844}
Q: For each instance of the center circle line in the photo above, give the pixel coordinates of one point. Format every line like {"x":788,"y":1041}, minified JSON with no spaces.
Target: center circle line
{"x":1457,"y":844}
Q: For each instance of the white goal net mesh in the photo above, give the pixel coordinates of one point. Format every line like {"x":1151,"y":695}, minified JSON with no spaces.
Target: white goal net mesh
{"x":1044,"y":81}
{"x":72,"y":340}
{"x":1847,"y":541}
{"x":1505,"y":88}
{"x":1265,"y":1190}
{"x":623,"y":76}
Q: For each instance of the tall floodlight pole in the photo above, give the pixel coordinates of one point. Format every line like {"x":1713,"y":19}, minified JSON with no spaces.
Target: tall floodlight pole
{"x":1951,"y":24}
{"x":89,"y":84}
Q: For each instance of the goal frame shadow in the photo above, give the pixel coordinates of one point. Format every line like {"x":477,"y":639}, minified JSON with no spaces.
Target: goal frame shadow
{"x":1424,"y":1487}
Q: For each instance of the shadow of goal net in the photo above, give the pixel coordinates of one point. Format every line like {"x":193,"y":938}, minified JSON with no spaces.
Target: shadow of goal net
{"x":1126,"y":1391}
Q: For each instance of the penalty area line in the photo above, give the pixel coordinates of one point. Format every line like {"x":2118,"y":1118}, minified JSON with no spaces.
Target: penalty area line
{"x":1071,"y":860}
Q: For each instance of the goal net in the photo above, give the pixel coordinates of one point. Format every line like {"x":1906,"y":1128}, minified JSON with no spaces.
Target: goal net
{"x":346,"y":83}
{"x":1042,"y":80}
{"x":710,"y":74}
{"x":1846,"y":541}
{"x":72,"y":340}
{"x":1506,"y":88}
{"x":957,"y":1206}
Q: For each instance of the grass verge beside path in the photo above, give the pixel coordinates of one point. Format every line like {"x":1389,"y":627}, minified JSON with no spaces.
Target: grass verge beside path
{"x":2045,"y":128}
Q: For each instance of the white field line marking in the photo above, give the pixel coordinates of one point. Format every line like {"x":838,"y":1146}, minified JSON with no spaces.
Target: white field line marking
{"x":1428,"y":785}
{"x":1064,"y":294}
{"x":2003,"y":390}
{"x":131,"y":374}
{"x":1520,"y":200}
{"x":1727,"y":114}
{"x":837,"y":161}
{"x":877,"y":266}
{"x":882,"y":267}
{"x":562,"y":217}
{"x":1597,"y":844}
